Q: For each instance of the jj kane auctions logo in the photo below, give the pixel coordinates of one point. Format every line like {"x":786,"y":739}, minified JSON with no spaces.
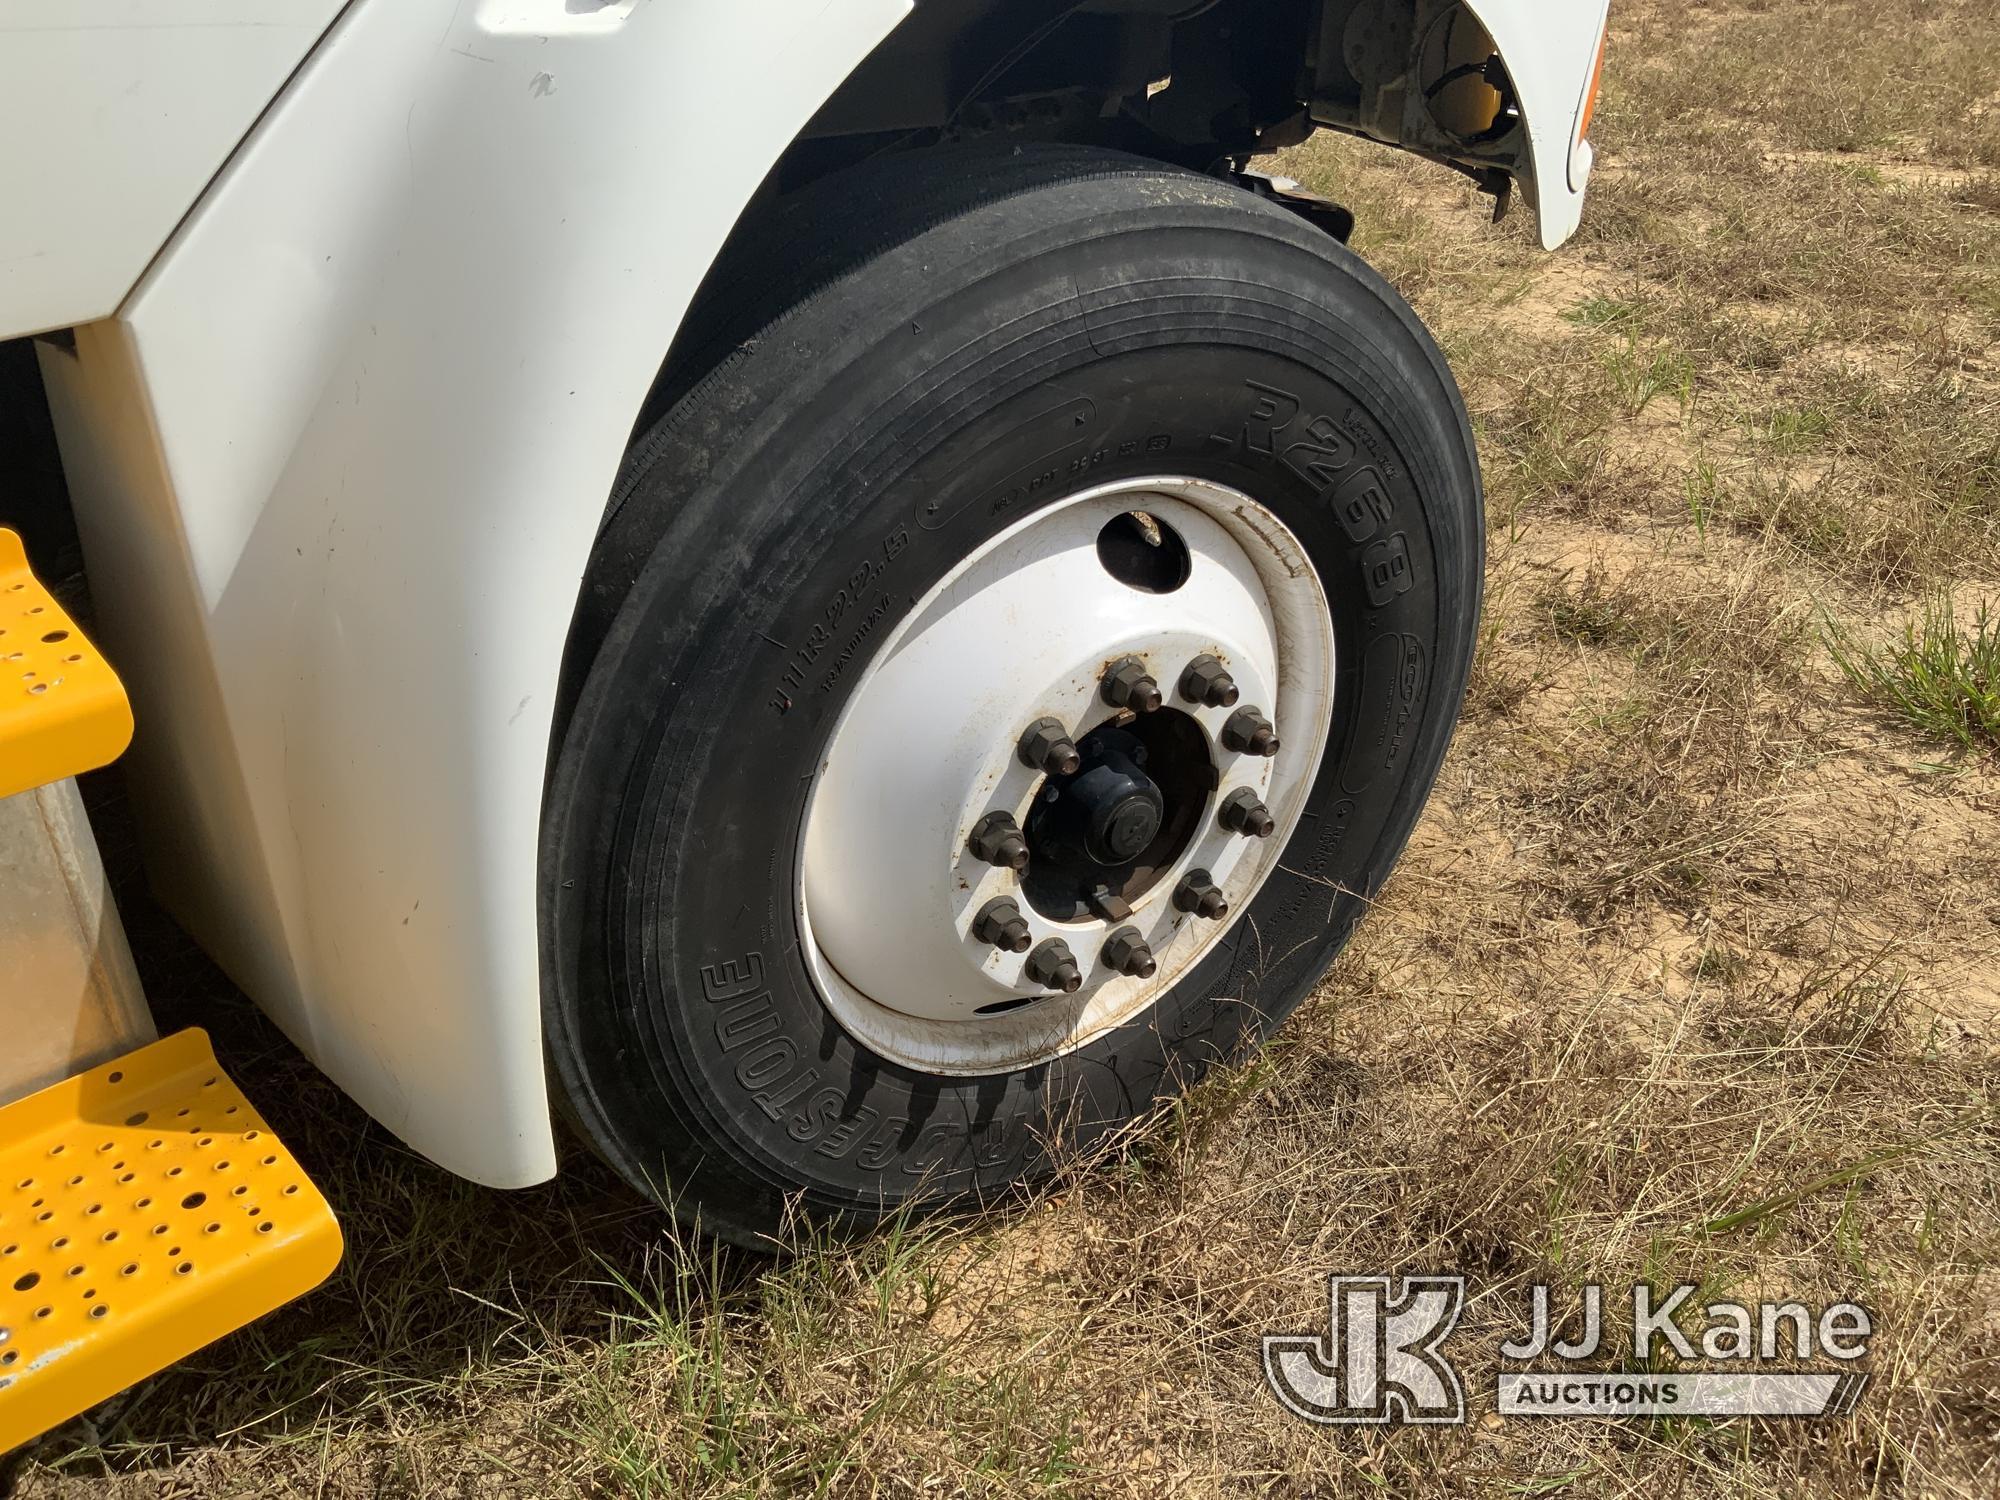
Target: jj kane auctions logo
{"x":1382,"y":1357}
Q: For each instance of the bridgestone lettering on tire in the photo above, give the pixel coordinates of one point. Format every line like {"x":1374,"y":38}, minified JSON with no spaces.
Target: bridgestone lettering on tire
{"x":947,"y":427}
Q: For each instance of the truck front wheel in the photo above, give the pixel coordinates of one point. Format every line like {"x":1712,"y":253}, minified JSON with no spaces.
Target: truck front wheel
{"x":1003,"y":677}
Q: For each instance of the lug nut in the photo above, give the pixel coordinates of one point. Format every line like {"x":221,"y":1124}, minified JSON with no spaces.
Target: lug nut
{"x":1197,"y":893}
{"x":1129,"y":685}
{"x":1000,"y":923}
{"x":1046,"y":746}
{"x":1207,"y":682}
{"x":1127,"y":952}
{"x":1248,"y":732}
{"x":997,"y":839}
{"x":1053,"y":967}
{"x":1242,"y":812}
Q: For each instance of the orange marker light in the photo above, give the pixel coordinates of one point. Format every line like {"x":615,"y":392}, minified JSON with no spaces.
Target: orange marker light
{"x":1596,"y":80}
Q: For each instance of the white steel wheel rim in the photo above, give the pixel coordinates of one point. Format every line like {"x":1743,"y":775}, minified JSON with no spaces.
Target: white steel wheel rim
{"x":1022,"y":629}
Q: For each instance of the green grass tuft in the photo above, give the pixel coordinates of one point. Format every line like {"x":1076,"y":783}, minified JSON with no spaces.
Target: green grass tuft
{"x":1941,"y":677}
{"x":1603,"y":312}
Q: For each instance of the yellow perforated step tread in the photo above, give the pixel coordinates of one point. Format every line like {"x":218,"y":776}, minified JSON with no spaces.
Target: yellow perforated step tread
{"x":62,"y":709}
{"x":145,"y":1210}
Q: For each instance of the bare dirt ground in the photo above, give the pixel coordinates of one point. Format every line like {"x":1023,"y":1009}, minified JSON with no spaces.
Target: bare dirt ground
{"x":1690,"y":974}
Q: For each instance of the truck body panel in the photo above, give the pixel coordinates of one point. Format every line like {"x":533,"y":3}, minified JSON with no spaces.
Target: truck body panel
{"x":337,"y":466}
{"x":117,"y":117}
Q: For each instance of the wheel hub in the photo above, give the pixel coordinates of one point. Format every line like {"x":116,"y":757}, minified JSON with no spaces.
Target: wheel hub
{"x":1096,"y":716}
{"x":1106,"y":814}
{"x":1105,"y":835}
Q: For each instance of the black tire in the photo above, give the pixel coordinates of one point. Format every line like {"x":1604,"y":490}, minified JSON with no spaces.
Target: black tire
{"x":897,"y":346}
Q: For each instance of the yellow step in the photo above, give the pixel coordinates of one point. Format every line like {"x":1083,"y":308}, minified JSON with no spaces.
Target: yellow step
{"x":62,"y":709}
{"x":145,"y":1210}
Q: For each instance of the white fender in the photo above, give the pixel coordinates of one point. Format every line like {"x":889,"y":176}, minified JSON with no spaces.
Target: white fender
{"x":338,"y":464}
{"x":1550,"y":48}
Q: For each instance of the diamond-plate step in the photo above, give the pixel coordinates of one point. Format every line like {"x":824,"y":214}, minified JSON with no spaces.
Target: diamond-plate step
{"x":62,"y":709}
{"x":145,"y":1210}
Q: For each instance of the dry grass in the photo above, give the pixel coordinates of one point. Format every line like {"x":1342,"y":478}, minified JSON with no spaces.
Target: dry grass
{"x":1689,"y":975}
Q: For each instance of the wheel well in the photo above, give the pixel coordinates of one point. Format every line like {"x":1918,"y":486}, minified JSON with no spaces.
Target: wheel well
{"x":1203,"y":84}
{"x":1193,"y":82}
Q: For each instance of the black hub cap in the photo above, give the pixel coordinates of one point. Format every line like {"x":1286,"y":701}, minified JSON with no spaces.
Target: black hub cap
{"x":1102,"y":835}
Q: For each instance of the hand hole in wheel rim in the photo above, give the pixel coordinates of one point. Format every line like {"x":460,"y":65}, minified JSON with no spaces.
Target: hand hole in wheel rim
{"x":1002,"y":1007}
{"x":1143,"y":553}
